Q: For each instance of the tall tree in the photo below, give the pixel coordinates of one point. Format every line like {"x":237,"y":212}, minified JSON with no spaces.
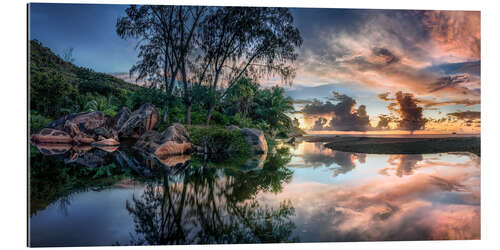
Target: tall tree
{"x":241,"y":42}
{"x":165,"y":41}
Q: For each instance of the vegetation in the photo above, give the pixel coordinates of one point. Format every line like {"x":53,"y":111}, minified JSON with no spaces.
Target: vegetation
{"x":186,"y":49}
{"x":58,"y":87}
{"x":219,"y":141}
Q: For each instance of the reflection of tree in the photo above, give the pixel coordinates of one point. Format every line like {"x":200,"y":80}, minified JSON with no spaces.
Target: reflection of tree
{"x":204,"y":204}
{"x":54,"y":179}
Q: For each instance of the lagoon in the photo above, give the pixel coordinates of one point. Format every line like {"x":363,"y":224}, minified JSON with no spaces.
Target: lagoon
{"x":296,"y":193}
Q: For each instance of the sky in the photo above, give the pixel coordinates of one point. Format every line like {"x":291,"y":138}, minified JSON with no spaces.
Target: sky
{"x":366,"y":56}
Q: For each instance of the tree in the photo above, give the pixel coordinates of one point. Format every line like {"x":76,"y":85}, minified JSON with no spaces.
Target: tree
{"x":49,"y":92}
{"x":271,"y":106}
{"x":241,"y":96}
{"x":165,"y":41}
{"x":238,"y":42}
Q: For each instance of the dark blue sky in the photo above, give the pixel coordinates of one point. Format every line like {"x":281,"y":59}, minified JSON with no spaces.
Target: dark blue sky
{"x":89,"y":29}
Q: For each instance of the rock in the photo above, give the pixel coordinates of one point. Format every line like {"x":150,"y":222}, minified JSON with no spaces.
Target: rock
{"x":256,"y":162}
{"x":53,"y":149}
{"x":141,"y":120}
{"x":85,"y":122}
{"x":71,"y":128}
{"x":173,"y":141}
{"x":48,"y":135}
{"x":232,"y":127}
{"x":90,"y":159}
{"x":176,"y":132}
{"x":174,"y":161}
{"x":121,"y":117}
{"x":172,"y":148}
{"x":106,"y":142}
{"x":108,"y":149}
{"x":83,"y":138}
{"x":106,"y":133}
{"x":256,"y":139}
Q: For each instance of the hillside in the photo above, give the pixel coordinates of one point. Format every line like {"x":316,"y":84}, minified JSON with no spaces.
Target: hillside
{"x":42,"y":59}
{"x":58,"y":87}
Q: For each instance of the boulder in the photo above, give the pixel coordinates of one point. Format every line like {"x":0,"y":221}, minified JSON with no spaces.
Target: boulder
{"x":232,"y":127}
{"x":173,"y":141}
{"x":107,"y":133}
{"x":121,"y":117}
{"x":82,"y":122}
{"x":256,"y":139}
{"x":71,"y":128}
{"x":53,"y":149}
{"x":256,"y":162}
{"x":141,"y":120}
{"x":172,"y":148}
{"x":48,"y":135}
{"x":174,"y":161}
{"x":110,"y":142}
{"x":83,"y":138}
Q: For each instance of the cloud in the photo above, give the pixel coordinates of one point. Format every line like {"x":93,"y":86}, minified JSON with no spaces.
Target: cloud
{"x":399,"y":50}
{"x":345,"y":117}
{"x":455,"y":32}
{"x":466,"y":115}
{"x":406,"y":106}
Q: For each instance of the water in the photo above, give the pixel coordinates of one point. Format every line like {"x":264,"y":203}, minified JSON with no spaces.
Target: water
{"x":304,"y":193}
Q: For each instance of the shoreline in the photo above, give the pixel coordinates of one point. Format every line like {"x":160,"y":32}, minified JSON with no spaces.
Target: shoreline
{"x":401,"y":145}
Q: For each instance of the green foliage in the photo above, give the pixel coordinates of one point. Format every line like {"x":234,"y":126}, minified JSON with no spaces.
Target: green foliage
{"x":37,"y":122}
{"x":104,"y":170}
{"x":58,"y":87}
{"x":102,"y":104}
{"x":49,"y":91}
{"x":146,"y":95}
{"x":219,"y":141}
{"x":272,"y":107}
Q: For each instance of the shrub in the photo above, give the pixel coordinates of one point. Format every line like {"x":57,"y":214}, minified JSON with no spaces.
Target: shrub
{"x":37,"y":122}
{"x":218,"y":141}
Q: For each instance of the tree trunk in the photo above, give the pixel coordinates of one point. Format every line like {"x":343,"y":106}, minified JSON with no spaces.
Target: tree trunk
{"x":209,"y":114}
{"x":164,"y":114}
{"x":188,"y":113}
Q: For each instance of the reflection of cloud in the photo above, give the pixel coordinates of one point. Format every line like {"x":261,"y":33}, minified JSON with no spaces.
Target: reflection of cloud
{"x":339,"y":162}
{"x":403,"y":164}
{"x":444,"y":205}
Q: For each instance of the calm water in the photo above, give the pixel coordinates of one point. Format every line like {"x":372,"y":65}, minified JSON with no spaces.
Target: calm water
{"x":304,"y":193}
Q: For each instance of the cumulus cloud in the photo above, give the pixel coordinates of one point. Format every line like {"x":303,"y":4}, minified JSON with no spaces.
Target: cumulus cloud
{"x":406,"y":106}
{"x":345,"y":117}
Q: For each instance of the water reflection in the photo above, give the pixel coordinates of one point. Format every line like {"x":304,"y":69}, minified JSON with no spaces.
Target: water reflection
{"x":315,"y":155}
{"x":202,"y":208}
{"x":302,"y":193}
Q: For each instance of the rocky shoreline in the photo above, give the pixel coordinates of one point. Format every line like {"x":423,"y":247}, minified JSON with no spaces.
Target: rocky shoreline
{"x":94,"y":129}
